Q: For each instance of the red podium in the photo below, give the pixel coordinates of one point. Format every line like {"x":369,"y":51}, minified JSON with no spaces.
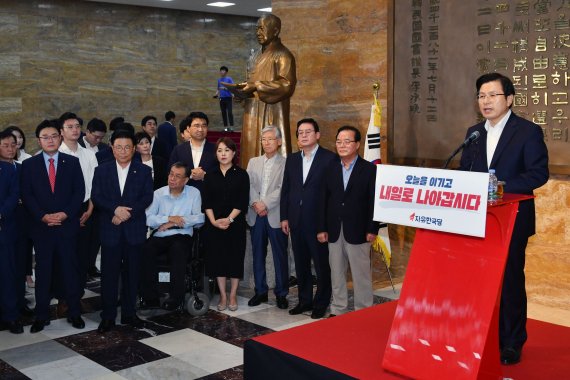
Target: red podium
{"x":446,"y":322}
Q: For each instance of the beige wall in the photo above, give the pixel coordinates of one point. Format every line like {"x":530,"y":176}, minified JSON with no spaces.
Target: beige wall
{"x":341,"y":47}
{"x":107,"y":60}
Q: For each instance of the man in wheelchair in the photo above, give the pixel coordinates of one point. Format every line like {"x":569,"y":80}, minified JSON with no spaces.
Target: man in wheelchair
{"x":174,"y":213}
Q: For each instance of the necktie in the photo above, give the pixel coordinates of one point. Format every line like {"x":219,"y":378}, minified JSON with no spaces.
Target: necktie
{"x":51,"y":174}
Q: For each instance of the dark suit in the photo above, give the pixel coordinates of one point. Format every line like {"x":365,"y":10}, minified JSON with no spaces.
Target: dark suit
{"x":121,"y":245}
{"x":160,"y":149}
{"x":208,"y":161}
{"x":347,"y":217}
{"x":168,"y":134}
{"x":299,"y":206}
{"x":54,"y":245}
{"x":9,"y":196}
{"x":160,"y":176}
{"x":520,"y":159}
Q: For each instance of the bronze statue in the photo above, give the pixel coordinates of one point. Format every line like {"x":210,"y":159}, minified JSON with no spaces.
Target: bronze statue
{"x":267,"y":91}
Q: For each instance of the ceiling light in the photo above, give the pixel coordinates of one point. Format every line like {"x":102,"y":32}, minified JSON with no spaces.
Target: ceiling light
{"x":268,"y":9}
{"x":220,"y":4}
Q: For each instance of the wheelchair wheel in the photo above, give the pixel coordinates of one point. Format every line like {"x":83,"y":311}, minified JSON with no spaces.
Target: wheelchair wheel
{"x":198,"y":305}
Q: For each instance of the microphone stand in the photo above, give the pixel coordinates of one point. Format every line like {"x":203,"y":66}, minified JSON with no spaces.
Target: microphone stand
{"x":453,"y":155}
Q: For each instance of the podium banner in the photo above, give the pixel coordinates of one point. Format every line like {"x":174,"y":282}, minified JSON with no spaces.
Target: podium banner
{"x":436,"y":199}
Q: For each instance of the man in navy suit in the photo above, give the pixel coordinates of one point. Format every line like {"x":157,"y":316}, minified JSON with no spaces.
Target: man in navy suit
{"x":157,"y":146}
{"x":167,"y":132}
{"x":53,"y":190}
{"x":345,"y":220}
{"x":198,"y":154}
{"x":302,"y":183}
{"x":9,"y":196}
{"x":122,"y":190}
{"x":515,"y":148}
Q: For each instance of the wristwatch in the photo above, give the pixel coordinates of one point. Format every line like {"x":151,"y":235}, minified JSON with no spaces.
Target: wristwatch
{"x":230,"y":219}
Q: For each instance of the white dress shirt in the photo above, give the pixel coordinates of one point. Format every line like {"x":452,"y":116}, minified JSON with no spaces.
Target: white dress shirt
{"x":88,"y":163}
{"x":197,"y":153}
{"x":308,"y":161}
{"x":122,"y":175}
{"x":493,"y":136}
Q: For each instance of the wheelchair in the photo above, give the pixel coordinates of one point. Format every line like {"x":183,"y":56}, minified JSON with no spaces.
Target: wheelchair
{"x":196,"y":300}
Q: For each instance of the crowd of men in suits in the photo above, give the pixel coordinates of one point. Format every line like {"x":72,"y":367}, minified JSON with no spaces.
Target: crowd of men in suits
{"x":82,"y":195}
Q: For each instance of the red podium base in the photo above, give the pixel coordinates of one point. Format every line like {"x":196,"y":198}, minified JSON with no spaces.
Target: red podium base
{"x":446,"y":322}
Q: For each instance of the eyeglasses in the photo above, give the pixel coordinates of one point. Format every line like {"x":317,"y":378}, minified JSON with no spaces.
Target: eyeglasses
{"x":343,"y":142}
{"x":267,"y":139}
{"x":126,"y":148}
{"x":491,"y":96}
{"x":49,"y":138}
{"x":305,"y":132}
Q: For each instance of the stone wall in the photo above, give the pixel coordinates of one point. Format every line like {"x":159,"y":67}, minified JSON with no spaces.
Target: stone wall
{"x":341,"y":47}
{"x":107,"y":60}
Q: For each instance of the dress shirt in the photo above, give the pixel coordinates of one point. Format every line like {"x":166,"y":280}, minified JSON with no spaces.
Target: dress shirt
{"x":22,"y":156}
{"x":123,"y":173}
{"x":308,"y":161}
{"x":47,"y":157}
{"x":88,"y":163}
{"x":347,"y":172}
{"x":152,"y":142}
{"x":493,"y":136}
{"x":188,"y":205}
{"x":93,"y":148}
{"x":197,"y":153}
{"x":267,"y":167}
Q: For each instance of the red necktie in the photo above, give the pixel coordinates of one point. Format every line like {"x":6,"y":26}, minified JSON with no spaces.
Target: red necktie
{"x":51,"y":174}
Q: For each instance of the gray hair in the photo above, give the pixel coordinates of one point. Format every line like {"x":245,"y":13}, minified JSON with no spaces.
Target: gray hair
{"x":270,"y":128}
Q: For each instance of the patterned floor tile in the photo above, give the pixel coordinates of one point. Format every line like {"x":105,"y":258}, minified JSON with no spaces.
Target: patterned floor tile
{"x":169,"y":368}
{"x":36,"y":354}
{"x":125,"y":355}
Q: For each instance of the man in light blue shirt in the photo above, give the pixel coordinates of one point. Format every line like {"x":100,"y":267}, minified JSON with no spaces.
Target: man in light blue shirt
{"x":174,"y":213}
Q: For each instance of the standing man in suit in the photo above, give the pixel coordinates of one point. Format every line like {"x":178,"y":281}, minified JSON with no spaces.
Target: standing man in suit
{"x":11,"y":279}
{"x":167,"y":133}
{"x":122,"y":190}
{"x":53,"y":190}
{"x":346,"y":209}
{"x":93,"y":139}
{"x":263,"y":216}
{"x":302,"y":182}
{"x":198,"y":154}
{"x":515,"y":148}
{"x":157,"y":146}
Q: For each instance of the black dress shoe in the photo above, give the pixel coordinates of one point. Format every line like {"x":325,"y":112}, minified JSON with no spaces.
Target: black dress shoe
{"x":26,"y":311}
{"x":292,"y":281}
{"x":15,"y":327}
{"x":38,"y":326}
{"x":300,"y":308}
{"x":282,"y":302}
{"x":318,"y":312}
{"x":149,"y":304}
{"x":106,"y":325}
{"x":510,"y":355}
{"x":76,"y":322}
{"x":171,"y":304}
{"x":257,"y":299}
{"x":133,"y":321}
{"x":94,"y":272}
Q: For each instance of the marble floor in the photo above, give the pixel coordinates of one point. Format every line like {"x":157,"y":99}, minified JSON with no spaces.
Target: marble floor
{"x":173,"y":345}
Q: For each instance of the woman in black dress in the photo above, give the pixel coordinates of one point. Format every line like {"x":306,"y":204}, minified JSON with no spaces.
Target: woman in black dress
{"x":225,"y":198}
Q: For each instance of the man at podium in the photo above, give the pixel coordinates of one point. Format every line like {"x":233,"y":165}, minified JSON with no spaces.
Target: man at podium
{"x":515,"y":148}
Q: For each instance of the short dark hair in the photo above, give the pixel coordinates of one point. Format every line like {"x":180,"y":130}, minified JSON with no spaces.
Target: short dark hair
{"x":147,"y":118}
{"x":13,"y":128}
{"x":69,"y":115}
{"x":54,"y":123}
{"x":139,"y":136}
{"x":227,"y":142}
{"x":180,"y":164}
{"x":125,"y":127}
{"x":115,"y":122}
{"x":96,"y":125}
{"x":5,"y":134}
{"x":224,"y":68}
{"x":185,"y":123}
{"x":506,"y":83}
{"x":123,"y":134}
{"x":169,"y":115}
{"x":357,"y":136}
{"x":309,"y":120}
